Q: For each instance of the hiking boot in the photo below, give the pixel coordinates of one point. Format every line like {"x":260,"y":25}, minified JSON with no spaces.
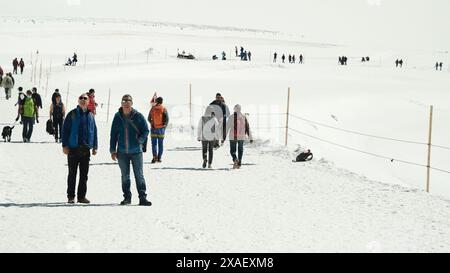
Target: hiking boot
{"x":204,"y":164}
{"x":144,"y":202}
{"x":158,"y":160}
{"x":71,"y":200}
{"x":209,"y":166}
{"x":235,"y":164}
{"x":154,"y":160}
{"x":84,"y":201}
{"x":125,"y":202}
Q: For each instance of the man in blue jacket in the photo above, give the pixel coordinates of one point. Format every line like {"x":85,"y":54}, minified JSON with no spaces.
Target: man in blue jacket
{"x":79,"y":136}
{"x":129,"y":134}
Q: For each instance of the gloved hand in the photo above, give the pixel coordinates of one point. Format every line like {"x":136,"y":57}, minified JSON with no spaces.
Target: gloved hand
{"x":37,"y":120}
{"x":17,"y":118}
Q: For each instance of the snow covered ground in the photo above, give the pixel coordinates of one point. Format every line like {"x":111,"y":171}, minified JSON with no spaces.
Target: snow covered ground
{"x":334,"y":203}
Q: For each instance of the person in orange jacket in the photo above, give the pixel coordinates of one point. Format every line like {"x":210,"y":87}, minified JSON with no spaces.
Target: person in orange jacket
{"x":158,"y":118}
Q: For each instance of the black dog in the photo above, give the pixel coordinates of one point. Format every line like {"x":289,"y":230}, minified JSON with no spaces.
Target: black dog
{"x":6,"y":134}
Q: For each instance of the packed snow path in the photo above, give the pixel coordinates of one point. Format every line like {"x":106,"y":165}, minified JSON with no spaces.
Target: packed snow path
{"x":271,"y":204}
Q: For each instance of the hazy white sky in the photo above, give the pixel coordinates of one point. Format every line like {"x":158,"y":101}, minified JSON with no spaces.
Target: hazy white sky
{"x":402,"y":23}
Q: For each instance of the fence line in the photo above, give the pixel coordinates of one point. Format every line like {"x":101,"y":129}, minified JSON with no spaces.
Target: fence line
{"x":368,"y":153}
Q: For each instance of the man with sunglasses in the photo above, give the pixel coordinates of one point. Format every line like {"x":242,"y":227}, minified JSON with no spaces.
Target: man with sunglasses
{"x":129,"y":134}
{"x":79,"y":136}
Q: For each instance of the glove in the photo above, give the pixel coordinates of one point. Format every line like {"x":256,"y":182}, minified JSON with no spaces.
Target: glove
{"x":37,"y":120}
{"x":17,"y":118}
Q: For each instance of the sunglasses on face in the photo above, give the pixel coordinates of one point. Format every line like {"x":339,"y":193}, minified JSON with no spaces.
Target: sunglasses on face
{"x":126,"y":100}
{"x":83,"y":98}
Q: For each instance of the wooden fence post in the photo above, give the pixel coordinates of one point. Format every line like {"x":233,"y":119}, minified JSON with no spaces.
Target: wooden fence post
{"x":287,"y":116}
{"x":429,"y":148}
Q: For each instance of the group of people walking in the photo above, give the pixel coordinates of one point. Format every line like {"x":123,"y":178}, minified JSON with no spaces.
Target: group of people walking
{"x":16,"y":63}
{"x":439,"y":66}
{"x":291,"y":58}
{"x":214,"y":126}
{"x":243,"y":54}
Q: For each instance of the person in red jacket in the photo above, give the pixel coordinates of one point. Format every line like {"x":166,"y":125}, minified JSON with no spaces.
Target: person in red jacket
{"x":92,"y":106}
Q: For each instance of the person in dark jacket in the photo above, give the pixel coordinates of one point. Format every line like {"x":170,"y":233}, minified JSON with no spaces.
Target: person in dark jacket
{"x":275,"y":55}
{"x":283,"y":58}
{"x":129,"y":134}
{"x":79,"y":136}
{"x":37,"y":98}
{"x":15,"y":65}
{"x":21,"y":65}
{"x":57,"y":114}
{"x":221,"y":113}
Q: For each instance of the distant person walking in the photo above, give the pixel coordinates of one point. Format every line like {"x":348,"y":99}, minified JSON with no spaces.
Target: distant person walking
{"x":79,"y":137}
{"x":129,"y":134}
{"x":15,"y":65}
{"x":159,"y":119}
{"x":283,"y":58}
{"x":21,"y":65}
{"x":275,"y":57}
{"x":300,"y":59}
{"x":8,"y":84}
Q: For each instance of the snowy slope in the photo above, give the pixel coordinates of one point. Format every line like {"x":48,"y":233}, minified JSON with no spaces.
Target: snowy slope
{"x":330,"y":204}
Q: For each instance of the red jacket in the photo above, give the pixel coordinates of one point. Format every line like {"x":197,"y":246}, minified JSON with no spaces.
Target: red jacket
{"x":92,"y":104}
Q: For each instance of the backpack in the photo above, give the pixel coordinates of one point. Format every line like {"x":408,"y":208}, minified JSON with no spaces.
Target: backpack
{"x":28,"y":108}
{"x":49,"y":127}
{"x":304,"y":157}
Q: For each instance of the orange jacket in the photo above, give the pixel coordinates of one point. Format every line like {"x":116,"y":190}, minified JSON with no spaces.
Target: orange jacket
{"x":158,"y":117}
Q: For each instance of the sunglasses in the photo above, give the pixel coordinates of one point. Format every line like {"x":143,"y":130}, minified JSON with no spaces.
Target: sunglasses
{"x":126,"y":100}
{"x":83,"y":98}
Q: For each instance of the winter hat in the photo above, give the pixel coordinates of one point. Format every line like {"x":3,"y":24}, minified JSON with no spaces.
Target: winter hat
{"x":20,"y":89}
{"x":57,"y":90}
{"x":237,"y":108}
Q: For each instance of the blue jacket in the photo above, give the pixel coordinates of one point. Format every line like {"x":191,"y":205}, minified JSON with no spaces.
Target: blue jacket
{"x":71,"y":126}
{"x":128,"y":135}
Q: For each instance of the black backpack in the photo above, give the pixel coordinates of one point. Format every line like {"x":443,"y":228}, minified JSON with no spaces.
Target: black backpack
{"x":49,"y":127}
{"x":304,"y":157}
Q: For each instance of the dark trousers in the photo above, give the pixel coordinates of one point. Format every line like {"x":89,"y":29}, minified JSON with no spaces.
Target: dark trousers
{"x":57,"y":125}
{"x":207,"y":150}
{"x":27,"y":127}
{"x":21,"y":70}
{"x":78,"y":158}
{"x":239,"y":144}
